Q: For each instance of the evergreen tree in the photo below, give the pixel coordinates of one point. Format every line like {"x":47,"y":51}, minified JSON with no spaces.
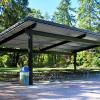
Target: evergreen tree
{"x":89,"y":14}
{"x":36,"y":13}
{"x":46,"y":16}
{"x":63,"y":15}
{"x":11,"y":11}
{"x":89,"y":18}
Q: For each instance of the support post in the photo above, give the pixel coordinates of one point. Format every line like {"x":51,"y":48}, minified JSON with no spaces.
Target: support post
{"x":75,"y":57}
{"x":30,"y":56}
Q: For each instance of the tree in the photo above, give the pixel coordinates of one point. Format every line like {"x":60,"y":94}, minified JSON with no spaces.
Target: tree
{"x":89,"y":18}
{"x":85,"y":59}
{"x":12,"y":11}
{"x":63,"y":15}
{"x":36,"y":13}
{"x":89,"y":14}
{"x":46,"y":16}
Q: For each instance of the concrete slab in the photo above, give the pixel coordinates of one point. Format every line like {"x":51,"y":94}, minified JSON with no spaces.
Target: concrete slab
{"x":66,"y":90}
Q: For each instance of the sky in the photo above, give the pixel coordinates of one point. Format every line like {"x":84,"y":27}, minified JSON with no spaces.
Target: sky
{"x":48,"y":6}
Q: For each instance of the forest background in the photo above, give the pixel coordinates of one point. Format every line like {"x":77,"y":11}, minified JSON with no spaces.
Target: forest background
{"x":85,"y":16}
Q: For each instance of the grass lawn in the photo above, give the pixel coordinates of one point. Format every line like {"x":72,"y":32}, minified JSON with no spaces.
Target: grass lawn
{"x":2,"y":69}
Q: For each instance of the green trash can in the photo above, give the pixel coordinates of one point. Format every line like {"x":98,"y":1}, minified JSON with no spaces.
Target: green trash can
{"x":24,"y":76}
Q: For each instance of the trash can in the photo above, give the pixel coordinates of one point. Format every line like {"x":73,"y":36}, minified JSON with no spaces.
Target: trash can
{"x":24,"y":76}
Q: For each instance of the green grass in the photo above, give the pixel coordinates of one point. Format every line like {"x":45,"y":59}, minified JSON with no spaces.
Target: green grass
{"x":2,"y":69}
{"x":48,"y":69}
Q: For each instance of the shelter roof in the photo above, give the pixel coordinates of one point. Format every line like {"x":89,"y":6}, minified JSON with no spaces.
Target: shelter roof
{"x":48,"y":36}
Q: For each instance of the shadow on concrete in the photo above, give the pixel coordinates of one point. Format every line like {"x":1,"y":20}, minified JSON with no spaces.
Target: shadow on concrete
{"x":66,"y":90}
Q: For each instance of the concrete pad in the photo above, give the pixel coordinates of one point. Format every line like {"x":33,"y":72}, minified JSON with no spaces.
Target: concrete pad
{"x":66,"y":90}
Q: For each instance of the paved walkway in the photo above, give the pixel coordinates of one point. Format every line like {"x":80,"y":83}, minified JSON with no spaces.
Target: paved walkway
{"x":67,"y":90}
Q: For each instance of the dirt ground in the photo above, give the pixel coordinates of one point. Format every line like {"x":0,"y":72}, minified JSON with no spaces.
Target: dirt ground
{"x":65,"y":90}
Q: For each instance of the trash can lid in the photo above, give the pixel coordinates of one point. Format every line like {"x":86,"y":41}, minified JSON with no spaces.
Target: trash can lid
{"x":25,"y":69}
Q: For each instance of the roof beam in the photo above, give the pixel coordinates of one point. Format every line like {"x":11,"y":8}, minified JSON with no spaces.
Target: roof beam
{"x":59,"y":36}
{"x":60,"y":43}
{"x":85,"y":48}
{"x":34,"y":51}
{"x":17,"y":34}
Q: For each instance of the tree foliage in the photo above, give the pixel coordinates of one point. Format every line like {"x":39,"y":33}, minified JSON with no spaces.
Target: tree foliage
{"x":47,"y":17}
{"x":63,"y":15}
{"x":89,"y":18}
{"x":36,"y":13}
{"x":11,"y":11}
{"x":89,"y":15}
